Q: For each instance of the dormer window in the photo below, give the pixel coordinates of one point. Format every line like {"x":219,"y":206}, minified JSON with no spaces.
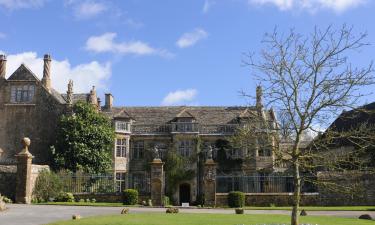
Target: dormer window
{"x":122,"y":126}
{"x":22,"y":93}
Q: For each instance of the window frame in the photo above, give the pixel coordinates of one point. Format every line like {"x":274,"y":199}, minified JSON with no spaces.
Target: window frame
{"x":121,"y":148}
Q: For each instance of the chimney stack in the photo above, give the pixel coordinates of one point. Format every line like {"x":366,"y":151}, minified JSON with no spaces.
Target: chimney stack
{"x":3,"y":66}
{"x":108,"y":101}
{"x":99,"y":104}
{"x":259,"y":97}
{"x":46,"y":80}
{"x":93,"y":99}
{"x":69,"y":93}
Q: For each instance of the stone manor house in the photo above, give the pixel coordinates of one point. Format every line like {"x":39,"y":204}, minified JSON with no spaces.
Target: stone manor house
{"x":31,"y":107}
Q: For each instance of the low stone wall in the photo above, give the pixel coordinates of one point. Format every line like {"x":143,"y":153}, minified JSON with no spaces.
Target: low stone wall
{"x":346,"y":188}
{"x":8,"y":180}
{"x":266,"y":199}
{"x":107,"y":197}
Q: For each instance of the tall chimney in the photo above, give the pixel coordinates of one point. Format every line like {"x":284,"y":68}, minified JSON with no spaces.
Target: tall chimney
{"x":108,"y":101}
{"x":69,"y":93}
{"x":259,"y":96}
{"x":3,"y":66}
{"x":93,"y":99}
{"x":46,"y":80}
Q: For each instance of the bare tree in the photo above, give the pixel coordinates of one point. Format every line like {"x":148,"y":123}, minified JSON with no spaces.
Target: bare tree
{"x":308,"y":79}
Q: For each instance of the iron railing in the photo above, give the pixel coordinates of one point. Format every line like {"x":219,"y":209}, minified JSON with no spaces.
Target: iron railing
{"x":89,"y":183}
{"x":262,"y":184}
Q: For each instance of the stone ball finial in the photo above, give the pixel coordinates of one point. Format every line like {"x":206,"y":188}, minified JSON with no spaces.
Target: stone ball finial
{"x":26,"y":142}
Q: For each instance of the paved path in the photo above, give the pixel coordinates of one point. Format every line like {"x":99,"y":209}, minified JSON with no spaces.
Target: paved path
{"x":43,"y":214}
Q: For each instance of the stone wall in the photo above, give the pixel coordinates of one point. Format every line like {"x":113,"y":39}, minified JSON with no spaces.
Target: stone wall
{"x":8,"y":180}
{"x":266,"y":199}
{"x":347,"y":188}
{"x":28,"y":120}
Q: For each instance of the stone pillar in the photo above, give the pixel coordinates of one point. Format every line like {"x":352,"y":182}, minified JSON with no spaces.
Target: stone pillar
{"x":157,"y":182}
{"x":209,"y":182}
{"x":23,"y":186}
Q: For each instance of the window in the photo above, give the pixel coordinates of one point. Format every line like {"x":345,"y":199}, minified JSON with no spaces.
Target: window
{"x":264,"y":148}
{"x":140,"y":183}
{"x":185,"y":147}
{"x":122,"y":126}
{"x":121,"y":147}
{"x":138,"y":149}
{"x":22,"y":94}
{"x":120,"y":182}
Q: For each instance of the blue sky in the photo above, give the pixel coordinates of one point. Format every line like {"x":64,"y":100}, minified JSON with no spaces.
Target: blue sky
{"x":164,"y":52}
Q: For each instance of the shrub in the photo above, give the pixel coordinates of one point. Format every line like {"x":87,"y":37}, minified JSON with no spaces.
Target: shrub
{"x":130,"y":197}
{"x":47,"y":186}
{"x":172,"y":210}
{"x":165,"y":201}
{"x":7,"y":200}
{"x":239,"y":211}
{"x":87,"y":200}
{"x":2,"y":203}
{"x":82,"y":200}
{"x":236,"y":199}
{"x":65,"y":197}
{"x":93,"y":200}
{"x":149,"y":202}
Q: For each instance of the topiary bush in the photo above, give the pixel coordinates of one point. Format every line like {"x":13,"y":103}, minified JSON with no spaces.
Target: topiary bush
{"x":130,"y":197}
{"x":236,"y":199}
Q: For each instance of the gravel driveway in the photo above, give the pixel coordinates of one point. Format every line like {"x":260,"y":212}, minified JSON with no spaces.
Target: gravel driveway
{"x":43,"y":214}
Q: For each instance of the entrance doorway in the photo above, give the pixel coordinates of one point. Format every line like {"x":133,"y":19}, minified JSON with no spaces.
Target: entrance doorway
{"x":184,"y":193}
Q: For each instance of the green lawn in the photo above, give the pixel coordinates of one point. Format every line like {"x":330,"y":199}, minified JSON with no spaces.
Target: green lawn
{"x":208,"y":219}
{"x":308,"y":208}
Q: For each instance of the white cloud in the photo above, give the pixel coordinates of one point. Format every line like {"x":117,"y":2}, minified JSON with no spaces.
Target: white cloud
{"x":84,"y":76}
{"x":311,"y":5}
{"x":191,"y":38}
{"x":22,"y":4}
{"x":106,"y":43}
{"x":89,"y":9}
{"x":207,"y":5}
{"x":180,"y":97}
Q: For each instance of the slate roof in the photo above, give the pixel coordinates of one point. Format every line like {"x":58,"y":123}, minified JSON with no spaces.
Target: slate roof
{"x":23,"y":73}
{"x":166,"y":114}
{"x":83,"y":97}
{"x":354,"y":118}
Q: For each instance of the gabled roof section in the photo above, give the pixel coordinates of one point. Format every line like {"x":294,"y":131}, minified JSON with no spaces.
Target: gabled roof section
{"x":122,"y":114}
{"x":184,"y":114}
{"x":23,"y":73}
{"x":247,"y":113}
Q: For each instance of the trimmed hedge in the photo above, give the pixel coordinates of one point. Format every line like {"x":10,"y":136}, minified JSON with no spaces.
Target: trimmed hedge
{"x":236,"y":199}
{"x":130,"y":197}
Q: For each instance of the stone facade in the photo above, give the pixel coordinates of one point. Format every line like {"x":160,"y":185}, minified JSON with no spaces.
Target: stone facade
{"x":31,"y":107}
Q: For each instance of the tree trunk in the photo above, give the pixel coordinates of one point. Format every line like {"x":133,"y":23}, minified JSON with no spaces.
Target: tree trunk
{"x":297,"y":193}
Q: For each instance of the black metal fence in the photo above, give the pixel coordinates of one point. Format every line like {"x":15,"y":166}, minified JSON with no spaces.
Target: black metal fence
{"x":262,"y":184}
{"x":90,"y":183}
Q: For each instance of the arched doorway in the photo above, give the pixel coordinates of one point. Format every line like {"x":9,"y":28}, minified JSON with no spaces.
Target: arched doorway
{"x":184,"y":193}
